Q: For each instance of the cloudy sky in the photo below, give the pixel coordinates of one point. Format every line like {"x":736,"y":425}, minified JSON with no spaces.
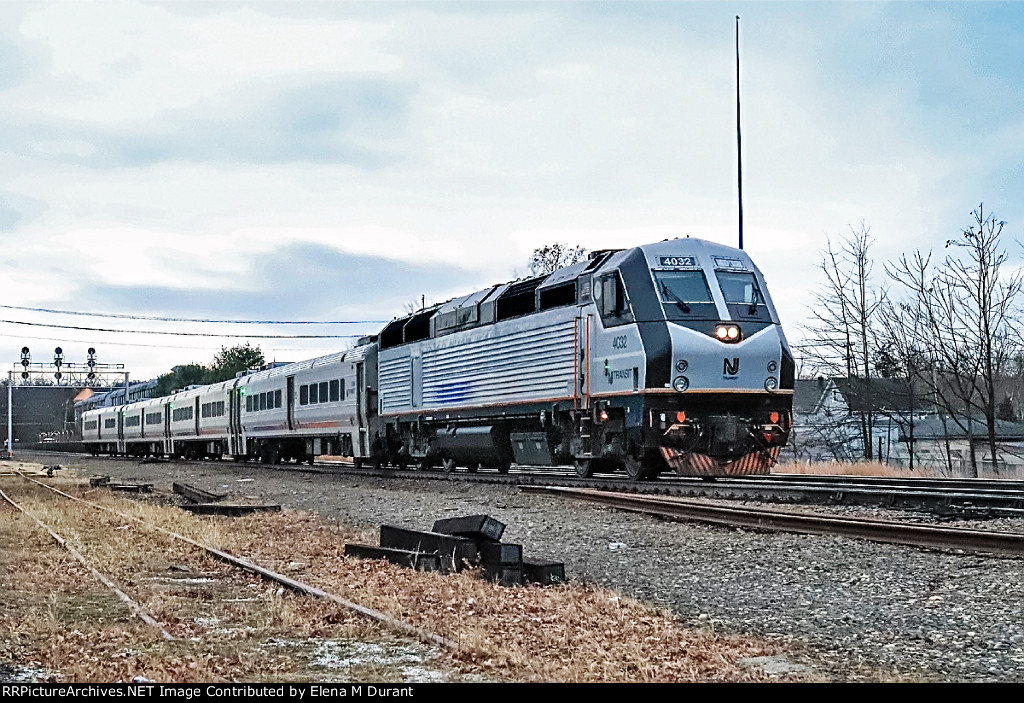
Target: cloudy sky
{"x":336,"y":161}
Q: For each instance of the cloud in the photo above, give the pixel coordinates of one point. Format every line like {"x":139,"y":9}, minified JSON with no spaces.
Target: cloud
{"x":297,"y":280}
{"x":17,"y":210}
{"x":331,"y":119}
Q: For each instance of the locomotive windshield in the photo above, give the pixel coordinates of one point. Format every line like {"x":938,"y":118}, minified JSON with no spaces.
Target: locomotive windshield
{"x":742,"y":294}
{"x":685,"y":295}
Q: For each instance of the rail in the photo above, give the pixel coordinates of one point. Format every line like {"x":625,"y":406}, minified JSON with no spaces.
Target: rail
{"x":913,"y":534}
{"x":298,"y":586}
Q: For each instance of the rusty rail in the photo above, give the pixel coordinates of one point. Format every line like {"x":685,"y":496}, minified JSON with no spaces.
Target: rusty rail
{"x":914,"y":534}
{"x":136,"y":609}
{"x":304,"y":588}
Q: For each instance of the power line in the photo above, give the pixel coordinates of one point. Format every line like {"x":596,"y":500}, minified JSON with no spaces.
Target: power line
{"x":119,"y":344}
{"x":143,"y":346}
{"x":194,"y":319}
{"x":186,"y":334}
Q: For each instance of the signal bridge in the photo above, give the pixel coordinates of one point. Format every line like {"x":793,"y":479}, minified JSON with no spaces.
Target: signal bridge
{"x":60,"y":373}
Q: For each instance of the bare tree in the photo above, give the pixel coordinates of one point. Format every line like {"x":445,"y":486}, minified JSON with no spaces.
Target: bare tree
{"x":415,"y":306}
{"x":959,"y":317}
{"x":552,"y":257}
{"x":986,"y":308}
{"x":841,"y":336}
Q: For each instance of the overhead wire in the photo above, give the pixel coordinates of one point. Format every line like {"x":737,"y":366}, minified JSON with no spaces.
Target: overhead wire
{"x":184,"y":334}
{"x":158,"y":318}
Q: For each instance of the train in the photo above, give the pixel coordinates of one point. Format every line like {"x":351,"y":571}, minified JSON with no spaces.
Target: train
{"x":664,"y":357}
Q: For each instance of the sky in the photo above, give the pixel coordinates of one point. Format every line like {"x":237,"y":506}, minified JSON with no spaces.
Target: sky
{"x":337,"y":161}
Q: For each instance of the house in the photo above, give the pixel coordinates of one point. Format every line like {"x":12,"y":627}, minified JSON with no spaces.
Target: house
{"x":944,"y":442}
{"x":832,"y":417}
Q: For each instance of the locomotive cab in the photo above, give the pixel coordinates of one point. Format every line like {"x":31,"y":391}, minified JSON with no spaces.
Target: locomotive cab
{"x":692,"y":321}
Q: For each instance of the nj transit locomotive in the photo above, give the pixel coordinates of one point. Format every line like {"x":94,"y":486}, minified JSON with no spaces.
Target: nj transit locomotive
{"x":664,"y":356}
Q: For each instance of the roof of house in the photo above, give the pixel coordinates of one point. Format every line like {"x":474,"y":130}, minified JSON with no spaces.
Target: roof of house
{"x":872,"y":394}
{"x":807,"y":394}
{"x":932,"y":427}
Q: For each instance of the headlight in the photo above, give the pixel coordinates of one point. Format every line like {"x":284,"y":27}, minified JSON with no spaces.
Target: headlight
{"x":681,"y":383}
{"x":729,"y":334}
{"x":771,"y":383}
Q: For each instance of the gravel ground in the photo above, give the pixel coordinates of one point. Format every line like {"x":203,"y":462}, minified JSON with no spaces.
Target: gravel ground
{"x":851,"y":610}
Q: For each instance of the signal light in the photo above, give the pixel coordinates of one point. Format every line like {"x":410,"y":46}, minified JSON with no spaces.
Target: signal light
{"x":680,"y":416}
{"x":58,"y":375}
{"x":24,"y":351}
{"x":24,"y":374}
{"x":774,"y":417}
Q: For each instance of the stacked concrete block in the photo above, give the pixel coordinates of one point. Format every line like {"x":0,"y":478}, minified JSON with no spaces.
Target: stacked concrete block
{"x":458,"y":542}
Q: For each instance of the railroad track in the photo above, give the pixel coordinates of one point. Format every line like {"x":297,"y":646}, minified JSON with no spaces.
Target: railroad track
{"x":952,"y":498}
{"x":386,"y":621}
{"x":919,"y":535}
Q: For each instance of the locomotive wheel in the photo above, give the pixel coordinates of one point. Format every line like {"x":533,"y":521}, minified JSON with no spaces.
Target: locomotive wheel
{"x":635,"y":469}
{"x":504,"y":466}
{"x":357,"y":462}
{"x":423,"y":465}
{"x":474,"y":467}
{"x":584,"y":468}
{"x":447,"y":465}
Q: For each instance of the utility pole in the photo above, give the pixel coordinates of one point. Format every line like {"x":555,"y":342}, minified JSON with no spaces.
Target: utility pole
{"x":10,"y":415}
{"x":739,"y":141}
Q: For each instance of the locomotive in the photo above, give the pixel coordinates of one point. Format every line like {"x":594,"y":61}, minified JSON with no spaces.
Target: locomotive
{"x":667,"y":356}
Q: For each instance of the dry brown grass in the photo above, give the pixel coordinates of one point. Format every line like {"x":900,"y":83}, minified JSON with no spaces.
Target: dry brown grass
{"x":227,"y":627}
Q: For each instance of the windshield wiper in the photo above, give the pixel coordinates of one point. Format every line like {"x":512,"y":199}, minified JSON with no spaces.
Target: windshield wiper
{"x":675,"y":298}
{"x":752,"y":310}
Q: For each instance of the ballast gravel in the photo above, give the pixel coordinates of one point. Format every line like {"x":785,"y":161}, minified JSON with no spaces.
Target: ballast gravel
{"x":847,"y":610}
